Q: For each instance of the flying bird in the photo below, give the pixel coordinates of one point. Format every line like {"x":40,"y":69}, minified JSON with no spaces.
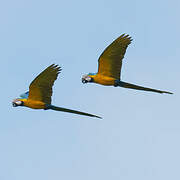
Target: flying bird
{"x":109,"y":67}
{"x":40,"y":92}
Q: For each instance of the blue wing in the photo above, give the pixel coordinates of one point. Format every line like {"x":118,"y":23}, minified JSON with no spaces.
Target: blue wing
{"x":25,"y":95}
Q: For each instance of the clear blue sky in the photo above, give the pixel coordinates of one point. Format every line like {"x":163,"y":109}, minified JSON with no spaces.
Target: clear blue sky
{"x":139,"y":136}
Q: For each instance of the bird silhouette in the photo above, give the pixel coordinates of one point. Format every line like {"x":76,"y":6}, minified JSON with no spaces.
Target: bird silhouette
{"x":109,"y":67}
{"x":40,"y":92}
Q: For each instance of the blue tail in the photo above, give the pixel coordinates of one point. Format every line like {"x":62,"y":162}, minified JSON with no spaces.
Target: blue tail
{"x":133,"y":86}
{"x":69,"y":111}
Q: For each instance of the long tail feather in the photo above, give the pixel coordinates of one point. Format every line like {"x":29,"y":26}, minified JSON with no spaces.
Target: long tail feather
{"x":133,"y":86}
{"x":71,"y":111}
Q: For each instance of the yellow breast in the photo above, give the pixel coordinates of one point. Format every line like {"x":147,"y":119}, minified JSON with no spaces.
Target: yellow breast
{"x":104,"y":80}
{"x":34,"y":104}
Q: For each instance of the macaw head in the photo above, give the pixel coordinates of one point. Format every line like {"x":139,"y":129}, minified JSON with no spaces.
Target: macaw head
{"x":88,"y":78}
{"x":17,"y":102}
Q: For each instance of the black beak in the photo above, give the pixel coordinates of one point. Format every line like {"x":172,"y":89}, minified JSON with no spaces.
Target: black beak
{"x":14,"y":104}
{"x":84,"y":81}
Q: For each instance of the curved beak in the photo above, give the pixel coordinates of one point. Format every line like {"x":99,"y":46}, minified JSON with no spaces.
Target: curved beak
{"x":14,"y":104}
{"x":84,"y":81}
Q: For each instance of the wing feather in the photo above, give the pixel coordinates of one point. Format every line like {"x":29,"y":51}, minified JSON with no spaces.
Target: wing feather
{"x":40,"y":88}
{"x":110,"y":61}
{"x":25,"y":95}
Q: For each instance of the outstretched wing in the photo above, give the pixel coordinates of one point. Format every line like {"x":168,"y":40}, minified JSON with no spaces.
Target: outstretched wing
{"x":40,"y":88}
{"x":25,"y":95}
{"x":110,"y":61}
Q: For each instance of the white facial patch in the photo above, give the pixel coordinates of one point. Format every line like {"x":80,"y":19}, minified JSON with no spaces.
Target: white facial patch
{"x":84,"y":76}
{"x":87,"y":78}
{"x":18,"y":102}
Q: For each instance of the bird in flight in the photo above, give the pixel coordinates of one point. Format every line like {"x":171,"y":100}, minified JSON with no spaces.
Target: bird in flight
{"x":109,"y":67}
{"x":40,"y":92}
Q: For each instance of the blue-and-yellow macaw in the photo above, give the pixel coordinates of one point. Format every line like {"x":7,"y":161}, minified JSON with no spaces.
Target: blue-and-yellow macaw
{"x":40,"y":92}
{"x":110,"y":63}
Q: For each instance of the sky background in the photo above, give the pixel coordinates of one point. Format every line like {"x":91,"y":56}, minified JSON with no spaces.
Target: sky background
{"x":139,"y":136}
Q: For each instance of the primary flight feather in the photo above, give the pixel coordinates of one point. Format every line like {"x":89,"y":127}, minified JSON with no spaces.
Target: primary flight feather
{"x":40,"y":92}
{"x":109,"y":67}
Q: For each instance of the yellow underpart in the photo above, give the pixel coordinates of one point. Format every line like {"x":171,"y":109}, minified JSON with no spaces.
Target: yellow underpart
{"x":104,"y":80}
{"x":33,"y":104}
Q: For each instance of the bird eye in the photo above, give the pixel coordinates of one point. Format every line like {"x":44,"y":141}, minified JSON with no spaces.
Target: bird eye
{"x":84,"y":76}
